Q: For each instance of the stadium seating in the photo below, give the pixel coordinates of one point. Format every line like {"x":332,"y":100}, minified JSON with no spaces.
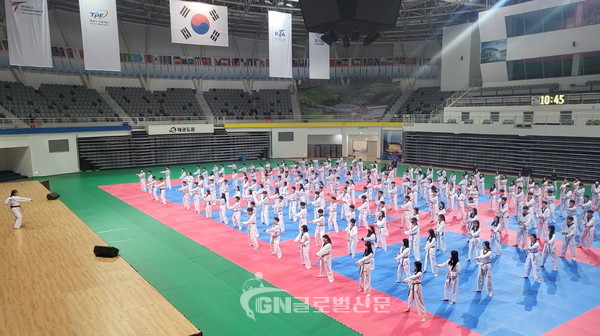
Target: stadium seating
{"x":424,"y":100}
{"x":54,"y":101}
{"x":176,"y":103}
{"x":237,"y":104}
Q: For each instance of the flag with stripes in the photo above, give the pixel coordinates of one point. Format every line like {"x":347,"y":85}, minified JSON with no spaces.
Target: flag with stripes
{"x":199,"y":23}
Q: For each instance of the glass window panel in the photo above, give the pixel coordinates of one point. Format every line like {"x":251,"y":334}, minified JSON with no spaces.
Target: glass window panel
{"x":534,"y":22}
{"x":516,"y":70}
{"x":534,"y":68}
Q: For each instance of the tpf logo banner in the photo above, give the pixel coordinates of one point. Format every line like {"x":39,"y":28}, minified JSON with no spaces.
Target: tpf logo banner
{"x":100,"y":34}
{"x":280,"y":44}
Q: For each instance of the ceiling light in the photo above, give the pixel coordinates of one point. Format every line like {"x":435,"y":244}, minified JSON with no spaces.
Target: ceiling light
{"x":268,"y":2}
{"x":289,"y":5}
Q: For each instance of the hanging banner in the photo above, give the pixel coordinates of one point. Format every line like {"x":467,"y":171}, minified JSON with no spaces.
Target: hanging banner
{"x":280,"y":44}
{"x":28,"y":33}
{"x":199,"y":23}
{"x":318,"y":53}
{"x":100,"y":32}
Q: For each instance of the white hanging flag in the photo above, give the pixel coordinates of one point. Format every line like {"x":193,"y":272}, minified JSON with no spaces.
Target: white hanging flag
{"x":199,"y":23}
{"x":280,"y":44}
{"x":28,"y":33}
{"x":100,"y":32}
{"x":318,"y":53}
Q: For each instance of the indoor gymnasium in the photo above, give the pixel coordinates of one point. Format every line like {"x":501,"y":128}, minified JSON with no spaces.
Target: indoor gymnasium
{"x":299,"y":167}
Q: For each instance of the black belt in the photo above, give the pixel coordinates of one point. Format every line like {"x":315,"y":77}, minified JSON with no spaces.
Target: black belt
{"x":15,"y":206}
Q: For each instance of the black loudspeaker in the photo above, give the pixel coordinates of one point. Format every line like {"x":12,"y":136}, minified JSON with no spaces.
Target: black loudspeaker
{"x":106,"y":251}
{"x":52,"y":196}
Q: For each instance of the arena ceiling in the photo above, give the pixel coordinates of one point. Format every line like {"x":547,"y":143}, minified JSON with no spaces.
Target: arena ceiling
{"x":418,"y":20}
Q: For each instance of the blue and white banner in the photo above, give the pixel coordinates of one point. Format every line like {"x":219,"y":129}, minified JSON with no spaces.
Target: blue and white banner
{"x":318,"y":53}
{"x":100,"y":32}
{"x":28,"y":31}
{"x":280,"y":44}
{"x":199,"y":23}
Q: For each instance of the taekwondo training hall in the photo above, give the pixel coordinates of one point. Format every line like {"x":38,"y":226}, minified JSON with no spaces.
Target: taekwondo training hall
{"x":300,"y":167}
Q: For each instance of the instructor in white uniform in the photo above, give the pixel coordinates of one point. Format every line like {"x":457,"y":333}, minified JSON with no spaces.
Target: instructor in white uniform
{"x":14,"y":203}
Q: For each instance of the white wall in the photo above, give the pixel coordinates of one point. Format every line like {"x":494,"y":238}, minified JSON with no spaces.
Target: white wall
{"x":567,"y":131}
{"x":46,"y":163}
{"x":492,"y":26}
{"x":457,"y":56}
{"x":558,"y":42}
{"x":541,"y":114}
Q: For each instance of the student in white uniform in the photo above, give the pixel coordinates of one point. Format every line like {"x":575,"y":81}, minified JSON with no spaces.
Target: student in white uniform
{"x":142,"y":177}
{"x":304,"y":240}
{"x":403,"y":259}
{"x":569,"y":230}
{"x":223,"y":209}
{"x":186,"y":194}
{"x":252,"y":231}
{"x":502,"y":215}
{"x":524,"y":226}
{"x":235,"y":218}
{"x":543,"y":216}
{"x":550,"y":249}
{"x":532,"y":258}
{"x":319,"y":222}
{"x":365,"y":269}
{"x":324,"y":255}
{"x":275,"y":233}
{"x":474,"y":233}
{"x":209,"y":199}
{"x":382,"y":232}
{"x":352,"y":236}
{"x":440,"y":234}
{"x":551,"y":199}
{"x":587,"y":236}
{"x":414,"y":238}
{"x":484,"y":273}
{"x":430,"y":252}
{"x":161,"y":187}
{"x":451,"y":283}
{"x":332,"y":211}
{"x":459,"y":205}
{"x":278,"y":209}
{"x":301,"y":215}
{"x":167,"y":173}
{"x":415,"y":291}
{"x":495,"y":229}
{"x":15,"y":207}
{"x":406,"y":211}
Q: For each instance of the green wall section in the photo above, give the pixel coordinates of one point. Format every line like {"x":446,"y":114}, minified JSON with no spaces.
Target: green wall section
{"x":202,"y":285}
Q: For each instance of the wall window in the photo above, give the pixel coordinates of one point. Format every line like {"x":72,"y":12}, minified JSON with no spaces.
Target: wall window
{"x":495,"y":116}
{"x":590,"y":63}
{"x":543,"y":67}
{"x":549,"y":19}
{"x":285,"y":136}
{"x":58,"y":146}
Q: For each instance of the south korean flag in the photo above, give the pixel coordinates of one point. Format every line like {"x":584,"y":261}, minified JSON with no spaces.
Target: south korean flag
{"x":199,"y":23}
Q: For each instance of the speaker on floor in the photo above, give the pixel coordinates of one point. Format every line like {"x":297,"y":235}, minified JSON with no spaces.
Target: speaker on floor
{"x":106,"y":251}
{"x":52,"y":196}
